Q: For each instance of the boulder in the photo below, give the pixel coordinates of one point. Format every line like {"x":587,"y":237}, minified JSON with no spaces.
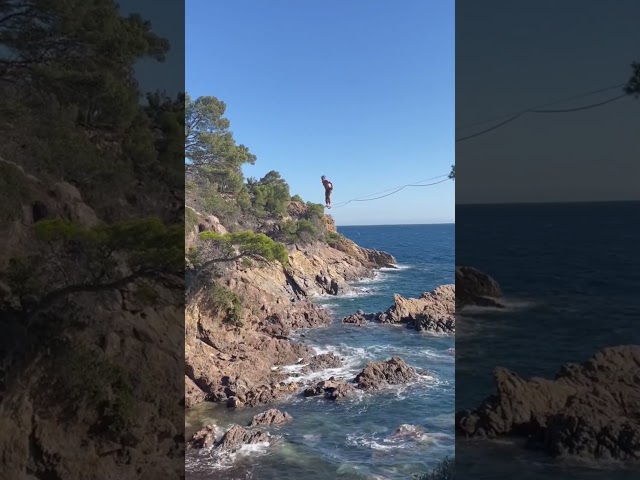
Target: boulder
{"x":272,"y":416}
{"x":377,"y":375}
{"x":476,"y":288}
{"x":237,"y":436}
{"x":204,"y":438}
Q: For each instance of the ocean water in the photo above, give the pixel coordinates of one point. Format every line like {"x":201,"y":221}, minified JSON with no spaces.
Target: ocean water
{"x":571,"y":277}
{"x":349,"y":439}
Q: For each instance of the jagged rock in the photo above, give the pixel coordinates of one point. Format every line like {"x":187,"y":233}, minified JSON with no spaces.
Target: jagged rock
{"x":355,"y":319}
{"x":433,"y":312}
{"x":379,"y":374}
{"x":340,"y":390}
{"x":332,"y":389}
{"x":322,"y":362}
{"x":265,"y":394}
{"x":476,"y":288}
{"x":329,"y":285}
{"x":589,"y":410}
{"x":192,"y":394}
{"x":237,"y":436}
{"x":204,"y":438}
{"x":270,"y":417}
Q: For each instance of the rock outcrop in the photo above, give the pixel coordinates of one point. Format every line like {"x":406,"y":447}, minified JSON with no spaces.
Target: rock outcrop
{"x":590,"y":410}
{"x":321,"y":362}
{"x":377,"y":375}
{"x":332,"y":389}
{"x":359,"y":318}
{"x":204,"y":438}
{"x":474,"y":287}
{"x":432,"y":312}
{"x":237,"y":436}
{"x":272,"y":416}
{"x":237,"y":362}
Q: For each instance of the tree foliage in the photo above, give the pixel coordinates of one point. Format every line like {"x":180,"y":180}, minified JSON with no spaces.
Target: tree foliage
{"x":270,"y":195}
{"x":208,"y":141}
{"x":76,"y":259}
{"x":236,"y":245}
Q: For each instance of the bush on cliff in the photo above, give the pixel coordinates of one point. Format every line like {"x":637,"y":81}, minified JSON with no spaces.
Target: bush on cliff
{"x":233,"y":246}
{"x":228,"y":303}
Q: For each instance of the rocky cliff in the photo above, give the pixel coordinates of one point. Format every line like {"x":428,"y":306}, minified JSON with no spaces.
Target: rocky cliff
{"x":72,"y":400}
{"x":234,"y":362}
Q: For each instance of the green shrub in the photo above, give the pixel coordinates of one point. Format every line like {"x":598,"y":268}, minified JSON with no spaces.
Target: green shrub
{"x":90,"y":379}
{"x":297,"y":198}
{"x":228,"y":303}
{"x":314,"y":210}
{"x":247,"y":243}
{"x":228,"y":212}
{"x":333,"y":238}
{"x":190,"y":219}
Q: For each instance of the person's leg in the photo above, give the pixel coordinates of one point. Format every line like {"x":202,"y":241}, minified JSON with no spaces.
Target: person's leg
{"x":327,"y":198}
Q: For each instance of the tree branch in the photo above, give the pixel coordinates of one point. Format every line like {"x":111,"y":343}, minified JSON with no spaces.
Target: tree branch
{"x":49,"y":299}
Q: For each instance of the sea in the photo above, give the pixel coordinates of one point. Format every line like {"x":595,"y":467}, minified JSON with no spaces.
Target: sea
{"x":350,"y":439}
{"x":571,"y":280}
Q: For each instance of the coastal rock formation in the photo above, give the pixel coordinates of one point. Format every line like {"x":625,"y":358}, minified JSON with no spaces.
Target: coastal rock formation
{"x":192,"y":393}
{"x":204,"y":438}
{"x":332,"y":389}
{"x":237,"y":436}
{"x":237,"y":361}
{"x":476,"y":288}
{"x":359,"y":318}
{"x":433,"y":312}
{"x":272,"y":416}
{"x":322,"y":362}
{"x":377,"y":375}
{"x":589,"y":410}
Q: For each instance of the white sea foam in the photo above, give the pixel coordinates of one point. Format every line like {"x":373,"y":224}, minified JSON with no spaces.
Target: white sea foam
{"x":212,"y":458}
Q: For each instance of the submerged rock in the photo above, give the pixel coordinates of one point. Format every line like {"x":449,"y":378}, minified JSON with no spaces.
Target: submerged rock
{"x":406,"y":431}
{"x":589,"y":410}
{"x":380,"y":374}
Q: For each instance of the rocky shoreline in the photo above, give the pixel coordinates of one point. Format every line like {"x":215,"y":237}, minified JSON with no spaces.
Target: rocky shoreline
{"x":240,"y":366}
{"x":237,"y":364}
{"x":589,"y":410}
{"x":375,"y":376}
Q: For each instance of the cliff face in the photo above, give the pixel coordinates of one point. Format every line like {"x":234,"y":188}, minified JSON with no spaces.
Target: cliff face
{"x":73,"y":401}
{"x":226,"y":361}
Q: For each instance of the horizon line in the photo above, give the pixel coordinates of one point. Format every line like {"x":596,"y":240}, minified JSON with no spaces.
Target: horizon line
{"x":550,"y":202}
{"x":395,"y":224}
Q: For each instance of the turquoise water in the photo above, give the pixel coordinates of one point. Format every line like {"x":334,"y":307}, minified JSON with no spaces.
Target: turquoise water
{"x":349,"y":439}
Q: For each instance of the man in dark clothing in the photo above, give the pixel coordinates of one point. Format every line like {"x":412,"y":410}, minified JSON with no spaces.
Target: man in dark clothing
{"x":328,"y":188}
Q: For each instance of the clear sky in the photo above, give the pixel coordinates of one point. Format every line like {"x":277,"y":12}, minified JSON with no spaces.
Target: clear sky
{"x":359,"y":91}
{"x":514,"y":55}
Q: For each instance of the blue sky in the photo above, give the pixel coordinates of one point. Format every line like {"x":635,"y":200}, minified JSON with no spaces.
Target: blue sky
{"x":359,"y":91}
